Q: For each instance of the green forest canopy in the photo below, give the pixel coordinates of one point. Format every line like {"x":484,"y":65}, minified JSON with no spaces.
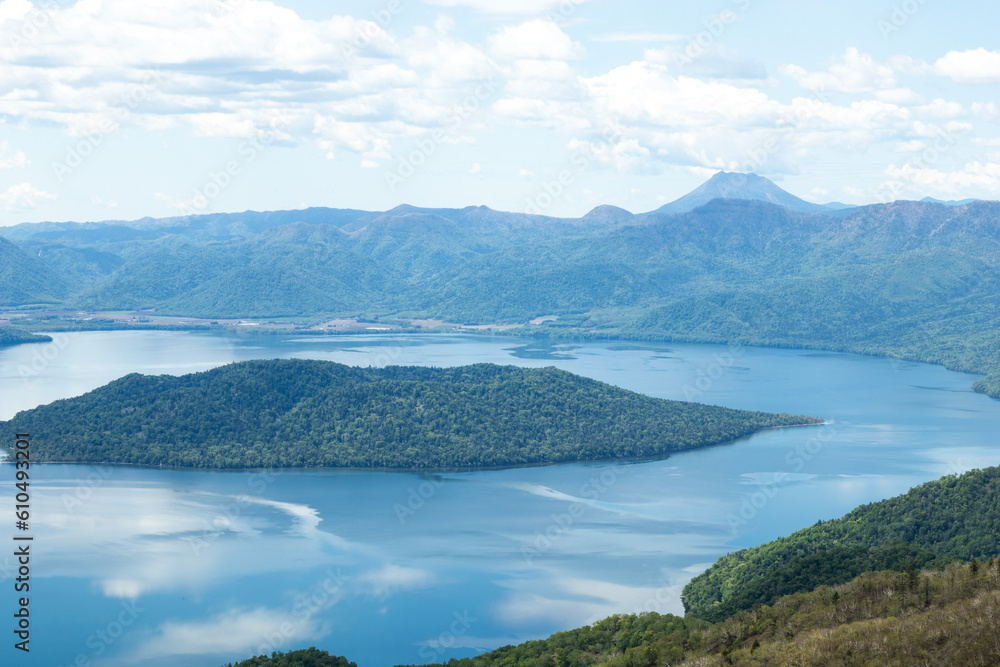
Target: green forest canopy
{"x":955,"y":517}
{"x":317,"y":413}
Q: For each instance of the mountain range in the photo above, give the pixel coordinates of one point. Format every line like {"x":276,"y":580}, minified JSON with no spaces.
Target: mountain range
{"x":914,"y":280}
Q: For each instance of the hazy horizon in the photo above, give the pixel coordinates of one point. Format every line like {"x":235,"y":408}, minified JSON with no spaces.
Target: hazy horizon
{"x":111,"y":111}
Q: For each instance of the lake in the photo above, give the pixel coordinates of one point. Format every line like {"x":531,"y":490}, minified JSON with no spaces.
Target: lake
{"x":158,"y":567}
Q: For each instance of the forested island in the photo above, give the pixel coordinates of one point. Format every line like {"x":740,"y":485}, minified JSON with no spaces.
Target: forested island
{"x":927,"y":592}
{"x":295,"y":413}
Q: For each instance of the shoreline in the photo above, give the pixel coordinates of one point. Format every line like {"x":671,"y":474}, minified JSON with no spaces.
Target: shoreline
{"x":525,"y":331}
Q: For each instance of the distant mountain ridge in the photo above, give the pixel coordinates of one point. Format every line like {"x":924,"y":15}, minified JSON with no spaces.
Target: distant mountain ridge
{"x":722,"y":185}
{"x":950,"y":202}
{"x":751,"y":187}
{"x":910,"y":279}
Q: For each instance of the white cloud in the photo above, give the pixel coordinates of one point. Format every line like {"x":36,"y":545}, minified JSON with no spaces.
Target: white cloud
{"x":366,"y":92}
{"x":940,"y":108}
{"x":902,"y":96}
{"x":393,"y":578}
{"x":575,"y":601}
{"x":563,"y":8}
{"x":987,"y":111}
{"x":24,"y":197}
{"x":625,"y":154}
{"x":97,"y":200}
{"x":640,"y":117}
{"x":645,"y":93}
{"x":856,"y":74}
{"x":976,"y":179}
{"x":533,"y":40}
{"x":10,"y":160}
{"x":175,"y":543}
{"x":911,"y":146}
{"x":714,"y":61}
{"x":233,"y":70}
{"x":972,"y":66}
{"x":641,"y":37}
{"x":237,"y":631}
{"x":447,"y":61}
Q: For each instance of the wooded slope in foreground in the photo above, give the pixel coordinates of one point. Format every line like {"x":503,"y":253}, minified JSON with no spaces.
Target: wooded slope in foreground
{"x":317,"y":413}
{"x":944,"y":614}
{"x":942,"y":618}
{"x":954,"y":518}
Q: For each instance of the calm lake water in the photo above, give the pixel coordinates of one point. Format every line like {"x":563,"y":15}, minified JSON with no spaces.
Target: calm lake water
{"x":136,"y":566}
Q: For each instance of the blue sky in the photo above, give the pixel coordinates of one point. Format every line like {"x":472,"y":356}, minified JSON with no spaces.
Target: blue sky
{"x":121,"y":109}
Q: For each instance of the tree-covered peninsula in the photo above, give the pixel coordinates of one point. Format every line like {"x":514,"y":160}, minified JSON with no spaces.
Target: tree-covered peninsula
{"x":17,"y":336}
{"x":315,"y":413}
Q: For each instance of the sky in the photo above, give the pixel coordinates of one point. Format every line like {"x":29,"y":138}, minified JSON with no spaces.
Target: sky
{"x":117,"y":109}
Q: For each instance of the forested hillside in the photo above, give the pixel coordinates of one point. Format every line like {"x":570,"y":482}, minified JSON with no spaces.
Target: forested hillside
{"x":954,"y":518}
{"x":316,"y":413}
{"x":310,"y":657}
{"x":916,"y":280}
{"x":945,"y":617}
{"x":28,"y":280}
